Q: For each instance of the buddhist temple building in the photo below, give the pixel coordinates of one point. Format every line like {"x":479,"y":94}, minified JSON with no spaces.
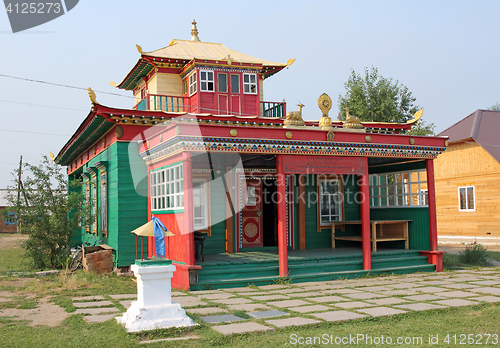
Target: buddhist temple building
{"x":252,"y":193}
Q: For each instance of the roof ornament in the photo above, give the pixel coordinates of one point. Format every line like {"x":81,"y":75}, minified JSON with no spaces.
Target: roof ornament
{"x":92,"y":96}
{"x":325,"y":104}
{"x":351,"y":121}
{"x":294,"y":118}
{"x":194,"y":32}
{"x":228,"y":59}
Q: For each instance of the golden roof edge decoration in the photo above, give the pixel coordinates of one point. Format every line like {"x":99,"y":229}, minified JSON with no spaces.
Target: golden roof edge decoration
{"x":139,"y":48}
{"x":92,"y":96}
{"x":416,"y":117}
{"x":113,"y":84}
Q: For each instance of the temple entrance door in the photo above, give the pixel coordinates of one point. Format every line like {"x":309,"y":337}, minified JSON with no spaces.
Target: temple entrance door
{"x":251,"y":216}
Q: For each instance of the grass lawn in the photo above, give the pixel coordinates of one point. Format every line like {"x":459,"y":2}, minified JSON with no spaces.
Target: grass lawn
{"x":442,"y":326}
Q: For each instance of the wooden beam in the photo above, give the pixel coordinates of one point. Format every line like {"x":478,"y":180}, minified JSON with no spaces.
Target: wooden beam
{"x":431,"y":197}
{"x":228,"y":183}
{"x":365,"y":218}
{"x":188,"y":207}
{"x":302,"y":214}
{"x":282,"y":227}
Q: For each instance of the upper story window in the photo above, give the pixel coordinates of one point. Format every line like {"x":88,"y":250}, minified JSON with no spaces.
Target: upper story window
{"x":192,"y":83}
{"x":399,"y":189}
{"x":206,"y":81}
{"x":466,"y":198}
{"x":249,"y":83}
{"x":167,"y":188}
{"x":235,"y":83}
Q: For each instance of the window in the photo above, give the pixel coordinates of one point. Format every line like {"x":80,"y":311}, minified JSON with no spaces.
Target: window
{"x":330,"y":196}
{"x":104,"y":204}
{"x":235,"y":83}
{"x":399,"y":189}
{"x":200,"y":204}
{"x":94,"y":205}
{"x":192,"y":83}
{"x":222,"y":83}
{"x":466,"y":198}
{"x":10,"y":219}
{"x":249,"y":83}
{"x":206,"y":81}
{"x":167,"y":188}
{"x":87,"y":197}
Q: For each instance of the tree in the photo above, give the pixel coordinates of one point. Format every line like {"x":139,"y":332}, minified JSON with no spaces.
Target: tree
{"x":495,"y":107}
{"x":375,"y":98}
{"x":46,"y":211}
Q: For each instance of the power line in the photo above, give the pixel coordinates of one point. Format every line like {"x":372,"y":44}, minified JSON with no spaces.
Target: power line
{"x":18,"y":131}
{"x":45,"y":106}
{"x":61,"y":85}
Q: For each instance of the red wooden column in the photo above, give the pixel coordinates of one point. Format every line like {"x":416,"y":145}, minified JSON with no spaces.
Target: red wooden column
{"x":187,"y":170}
{"x":365,"y":220}
{"x":434,"y":256}
{"x":282,"y":228}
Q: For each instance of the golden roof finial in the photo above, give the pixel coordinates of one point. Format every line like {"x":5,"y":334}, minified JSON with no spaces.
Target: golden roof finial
{"x":194,"y":32}
{"x":92,"y":95}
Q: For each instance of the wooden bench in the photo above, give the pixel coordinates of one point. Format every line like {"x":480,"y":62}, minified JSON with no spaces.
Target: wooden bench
{"x":381,"y":231}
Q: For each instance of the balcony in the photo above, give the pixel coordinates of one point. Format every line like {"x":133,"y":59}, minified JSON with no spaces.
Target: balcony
{"x":154,"y":102}
{"x":273,"y":109}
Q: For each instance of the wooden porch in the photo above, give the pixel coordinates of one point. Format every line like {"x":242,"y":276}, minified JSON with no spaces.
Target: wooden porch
{"x":262,"y":267}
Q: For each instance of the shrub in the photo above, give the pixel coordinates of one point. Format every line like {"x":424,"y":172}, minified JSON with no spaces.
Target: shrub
{"x":474,"y":255}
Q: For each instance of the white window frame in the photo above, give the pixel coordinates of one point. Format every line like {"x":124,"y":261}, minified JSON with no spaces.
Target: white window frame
{"x":200,"y":194}
{"x":467,"y":208}
{"x":207,"y":84}
{"x":249,"y":84}
{"x":192,"y":83}
{"x":167,"y":188}
{"x":398,"y":192}
{"x":335,"y":199}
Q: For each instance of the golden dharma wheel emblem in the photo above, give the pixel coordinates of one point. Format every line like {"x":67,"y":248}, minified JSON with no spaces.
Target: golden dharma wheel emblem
{"x":368,"y":138}
{"x":233,"y":132}
{"x":412,"y":141}
{"x":288,"y":135}
{"x":325,"y":103}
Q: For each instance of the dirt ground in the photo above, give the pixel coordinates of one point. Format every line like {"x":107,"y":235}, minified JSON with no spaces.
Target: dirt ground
{"x":46,"y":313}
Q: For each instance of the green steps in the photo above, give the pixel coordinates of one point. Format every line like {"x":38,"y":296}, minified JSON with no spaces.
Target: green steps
{"x":240,"y":274}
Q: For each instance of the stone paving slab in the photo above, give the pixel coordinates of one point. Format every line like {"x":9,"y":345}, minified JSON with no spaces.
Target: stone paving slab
{"x":187,"y":337}
{"x":403,"y":285}
{"x":218,"y":296}
{"x":295,"y":321}
{"x":127,"y":296}
{"x":88,"y":298}
{"x":399,"y":292}
{"x":387,"y":301}
{"x":202,"y":292}
{"x":381,"y":311}
{"x":92,"y":304}
{"x":237,"y":300}
{"x":267,"y":314}
{"x":325,"y":299}
{"x":487,"y":299}
{"x":305,"y":294}
{"x":273,"y":286}
{"x":240,"y":328}
{"x":288,"y":303}
{"x":242,"y":289}
{"x":356,"y":304}
{"x":420,"y":306}
{"x":256,"y":293}
{"x":99,"y":318}
{"x":364,"y":296}
{"x":457,"y":293}
{"x":322,"y":287}
{"x":308,"y":309}
{"x":206,"y":310}
{"x":188,"y":302}
{"x":461,"y":286}
{"x":223,"y":318}
{"x":487,"y":290}
{"x":430,"y":289}
{"x":376,"y":288}
{"x":486,"y":282}
{"x":338,"y":315}
{"x":435,"y":282}
{"x":96,"y":310}
{"x":178,"y":293}
{"x":270,"y":297}
{"x":248,"y":307}
{"x":289,"y":290}
{"x":343,"y":291}
{"x":456,"y":302}
{"x":126,"y":303}
{"x":426,"y":297}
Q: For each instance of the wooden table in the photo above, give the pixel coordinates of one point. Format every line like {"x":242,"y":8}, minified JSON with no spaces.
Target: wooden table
{"x":389,"y":230}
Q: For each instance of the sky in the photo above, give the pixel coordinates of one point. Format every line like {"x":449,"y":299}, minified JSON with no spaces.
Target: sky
{"x":445,"y":52}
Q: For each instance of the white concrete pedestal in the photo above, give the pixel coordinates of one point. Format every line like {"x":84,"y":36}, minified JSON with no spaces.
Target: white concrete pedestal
{"x":154,"y":308}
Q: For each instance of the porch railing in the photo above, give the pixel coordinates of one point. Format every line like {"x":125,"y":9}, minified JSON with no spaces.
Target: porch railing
{"x":273,"y":109}
{"x":155,"y":102}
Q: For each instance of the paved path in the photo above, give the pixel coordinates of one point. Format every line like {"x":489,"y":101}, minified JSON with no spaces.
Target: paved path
{"x":276,"y":306}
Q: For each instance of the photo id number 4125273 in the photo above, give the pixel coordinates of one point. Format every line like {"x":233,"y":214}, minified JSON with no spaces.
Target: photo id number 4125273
{"x":34,"y":7}
{"x":471,"y":339}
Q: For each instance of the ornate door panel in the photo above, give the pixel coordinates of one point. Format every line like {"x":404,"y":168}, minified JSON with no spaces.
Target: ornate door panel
{"x":251,"y":216}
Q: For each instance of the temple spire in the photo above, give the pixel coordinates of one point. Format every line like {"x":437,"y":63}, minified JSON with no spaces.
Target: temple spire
{"x":194,"y":32}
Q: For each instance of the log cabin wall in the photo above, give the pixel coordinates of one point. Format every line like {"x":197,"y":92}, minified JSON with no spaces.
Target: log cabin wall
{"x":467,"y":164}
